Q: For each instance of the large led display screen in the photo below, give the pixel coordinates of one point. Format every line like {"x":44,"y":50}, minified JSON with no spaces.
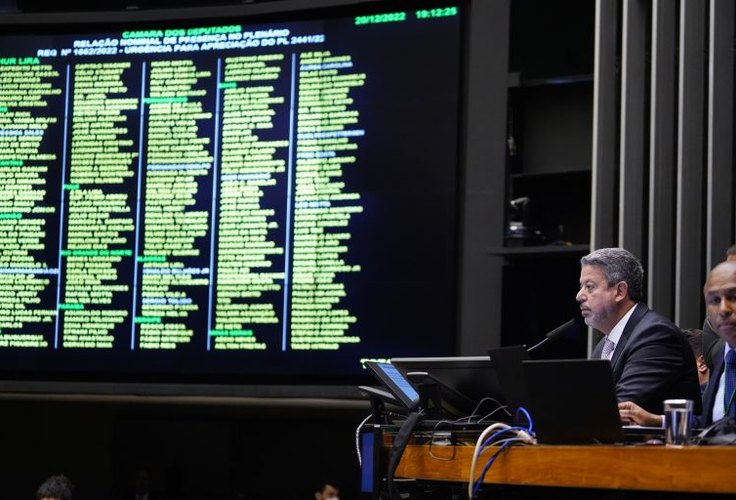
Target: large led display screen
{"x":257,"y":201}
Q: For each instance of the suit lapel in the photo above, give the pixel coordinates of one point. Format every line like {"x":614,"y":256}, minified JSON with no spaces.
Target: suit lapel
{"x":598,"y":350}
{"x":639,"y":311}
{"x":709,"y":397}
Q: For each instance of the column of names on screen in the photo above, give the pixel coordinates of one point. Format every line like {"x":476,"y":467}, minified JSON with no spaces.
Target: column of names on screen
{"x":98,"y":241}
{"x":175,"y":227}
{"x":191,"y":201}
{"x":249,"y":235}
{"x":27,"y":212}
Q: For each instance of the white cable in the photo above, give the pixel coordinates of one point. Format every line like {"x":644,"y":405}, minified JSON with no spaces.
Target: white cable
{"x":508,"y":440}
{"x":357,"y":439}
{"x":469,"y":418}
{"x":521,"y":435}
{"x":476,"y":452}
{"x":504,"y":408}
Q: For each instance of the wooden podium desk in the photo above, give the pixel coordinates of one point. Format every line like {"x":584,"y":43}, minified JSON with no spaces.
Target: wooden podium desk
{"x":704,"y":469}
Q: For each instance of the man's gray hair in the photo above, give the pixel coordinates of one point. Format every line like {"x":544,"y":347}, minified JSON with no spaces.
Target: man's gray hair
{"x":618,"y":265}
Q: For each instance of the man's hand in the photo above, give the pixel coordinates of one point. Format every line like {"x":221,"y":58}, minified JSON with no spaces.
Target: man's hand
{"x":631,"y":413}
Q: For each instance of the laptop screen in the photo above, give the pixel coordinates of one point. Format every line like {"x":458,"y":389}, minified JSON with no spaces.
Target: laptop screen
{"x":573,"y":401}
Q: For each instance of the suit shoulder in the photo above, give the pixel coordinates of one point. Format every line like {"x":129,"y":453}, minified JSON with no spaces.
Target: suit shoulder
{"x":654,"y":319}
{"x":653,"y":327}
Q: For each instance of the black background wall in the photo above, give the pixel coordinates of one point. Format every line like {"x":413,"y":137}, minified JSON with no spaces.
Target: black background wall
{"x":266,"y":450}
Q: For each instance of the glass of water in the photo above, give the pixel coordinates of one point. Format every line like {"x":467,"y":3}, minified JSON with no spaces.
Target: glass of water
{"x":678,"y":417}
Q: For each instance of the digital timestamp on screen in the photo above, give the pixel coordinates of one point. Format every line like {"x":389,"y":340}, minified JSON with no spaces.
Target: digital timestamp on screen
{"x":441,"y":12}
{"x":391,"y":17}
{"x":394,"y":17}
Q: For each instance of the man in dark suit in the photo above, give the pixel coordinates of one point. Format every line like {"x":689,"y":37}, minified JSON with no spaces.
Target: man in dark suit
{"x":720,"y":303}
{"x":712,"y":342}
{"x":650,"y":357}
{"x":718,"y":399}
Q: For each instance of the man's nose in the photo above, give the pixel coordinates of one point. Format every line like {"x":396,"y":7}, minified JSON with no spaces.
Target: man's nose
{"x":726,"y":308}
{"x":579,"y":296}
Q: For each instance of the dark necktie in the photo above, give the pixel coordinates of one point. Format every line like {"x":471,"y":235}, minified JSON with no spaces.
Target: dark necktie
{"x":729,"y":405}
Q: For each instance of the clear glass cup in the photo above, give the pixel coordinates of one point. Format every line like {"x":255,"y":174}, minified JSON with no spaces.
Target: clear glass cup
{"x":678,"y":418}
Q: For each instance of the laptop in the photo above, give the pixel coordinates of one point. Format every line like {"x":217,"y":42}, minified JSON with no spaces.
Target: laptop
{"x":573,"y":401}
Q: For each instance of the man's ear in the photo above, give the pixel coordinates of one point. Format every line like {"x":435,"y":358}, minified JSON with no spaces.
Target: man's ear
{"x":702,"y":367}
{"x":622,"y":291}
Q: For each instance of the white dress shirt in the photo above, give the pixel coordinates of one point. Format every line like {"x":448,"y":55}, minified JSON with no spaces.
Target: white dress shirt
{"x":616,"y":332}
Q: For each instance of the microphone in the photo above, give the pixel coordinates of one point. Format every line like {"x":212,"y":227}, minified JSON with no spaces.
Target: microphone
{"x":553,"y":335}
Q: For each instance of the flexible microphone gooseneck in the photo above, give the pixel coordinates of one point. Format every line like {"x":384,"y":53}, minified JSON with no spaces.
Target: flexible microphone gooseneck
{"x":554,"y":334}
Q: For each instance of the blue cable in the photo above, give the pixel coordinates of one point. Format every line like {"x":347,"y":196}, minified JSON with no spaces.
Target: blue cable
{"x":498,"y":433}
{"x":479,"y":482}
{"x":529,"y":429}
{"x":484,"y":444}
{"x":521,"y":409}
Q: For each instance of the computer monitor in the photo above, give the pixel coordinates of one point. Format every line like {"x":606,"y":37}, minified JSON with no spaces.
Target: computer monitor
{"x":507,"y":364}
{"x":471,"y":377}
{"x":227,"y":195}
{"x":370,"y":452}
{"x":393,"y":380}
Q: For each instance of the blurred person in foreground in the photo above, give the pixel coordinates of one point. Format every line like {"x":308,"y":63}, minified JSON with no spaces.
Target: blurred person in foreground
{"x":326,"y":491}
{"x":55,"y":488}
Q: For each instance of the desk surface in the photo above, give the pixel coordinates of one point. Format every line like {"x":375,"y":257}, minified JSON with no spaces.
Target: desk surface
{"x":706,"y":469}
